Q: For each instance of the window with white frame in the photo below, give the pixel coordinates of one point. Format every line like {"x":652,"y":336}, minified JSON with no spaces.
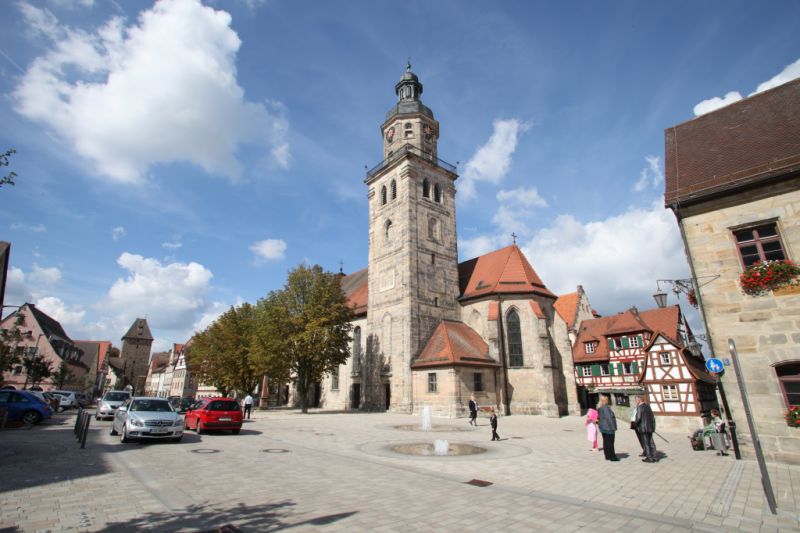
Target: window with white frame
{"x":633,"y":341}
{"x":626,"y":368}
{"x":590,"y":347}
{"x":604,"y":370}
{"x":617,"y":343}
{"x":666,"y":359}
{"x":586,"y":370}
{"x":335,"y":380}
{"x":670,"y":392}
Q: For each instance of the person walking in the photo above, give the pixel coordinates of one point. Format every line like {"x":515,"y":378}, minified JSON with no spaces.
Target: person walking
{"x":248,"y":405}
{"x":718,"y":437}
{"x":634,"y":411}
{"x":473,"y":411}
{"x":493,"y":422}
{"x":607,"y":422}
{"x":645,"y":425}
{"x":591,"y":428}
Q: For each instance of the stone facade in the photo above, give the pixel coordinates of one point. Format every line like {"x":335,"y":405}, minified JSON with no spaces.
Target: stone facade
{"x":135,"y":354}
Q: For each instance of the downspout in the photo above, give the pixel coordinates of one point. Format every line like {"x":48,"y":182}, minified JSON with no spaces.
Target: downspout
{"x":506,"y":401}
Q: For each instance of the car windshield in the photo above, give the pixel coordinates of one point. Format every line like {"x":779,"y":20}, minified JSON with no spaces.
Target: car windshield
{"x":221,"y":405}
{"x":151,"y":405}
{"x":116,"y":396}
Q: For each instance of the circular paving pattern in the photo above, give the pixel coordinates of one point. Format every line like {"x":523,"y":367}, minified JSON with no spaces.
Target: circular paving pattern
{"x":204,"y":450}
{"x":414,"y":450}
{"x":434,"y":429}
{"x":428,"y":448}
{"x":275,"y":450}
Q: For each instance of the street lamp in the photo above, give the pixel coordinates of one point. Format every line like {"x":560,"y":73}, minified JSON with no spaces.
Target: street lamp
{"x":686,"y":286}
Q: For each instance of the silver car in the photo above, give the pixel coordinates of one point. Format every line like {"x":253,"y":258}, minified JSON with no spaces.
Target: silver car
{"x":109,"y":403}
{"x":147,"y":419}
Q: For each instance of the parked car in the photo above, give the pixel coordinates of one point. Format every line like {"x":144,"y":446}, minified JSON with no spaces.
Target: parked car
{"x":215,"y":413}
{"x":76,"y":399}
{"x":25,"y":406}
{"x":68,"y":400}
{"x":147,"y":418}
{"x":181,"y":404}
{"x":109,"y":403}
{"x":53,"y":400}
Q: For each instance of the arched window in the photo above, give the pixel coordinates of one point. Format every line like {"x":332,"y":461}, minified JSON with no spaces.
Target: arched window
{"x":426,"y":188}
{"x":789,"y":379}
{"x":388,"y":231}
{"x":357,"y":349}
{"x":437,"y":194}
{"x":433,"y":229}
{"x":383,"y":195}
{"x":514,"y":339}
{"x":394,"y":189}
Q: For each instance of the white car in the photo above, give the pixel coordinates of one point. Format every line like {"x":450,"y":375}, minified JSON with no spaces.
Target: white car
{"x":68,"y":400}
{"x":148,"y":419}
{"x":109,"y":403}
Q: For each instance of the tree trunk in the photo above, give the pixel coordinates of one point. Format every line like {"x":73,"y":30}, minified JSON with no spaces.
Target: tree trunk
{"x":302,"y":390}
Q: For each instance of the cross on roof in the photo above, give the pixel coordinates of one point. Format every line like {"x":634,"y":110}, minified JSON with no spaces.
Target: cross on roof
{"x":514,"y":237}
{"x":341,"y":266}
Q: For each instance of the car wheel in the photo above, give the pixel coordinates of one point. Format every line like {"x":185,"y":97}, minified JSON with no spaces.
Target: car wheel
{"x":199,"y":427}
{"x":177,"y":439}
{"x":31,"y":417}
{"x":113,"y":430}
{"x":236,"y":431}
{"x":123,"y":436}
{"x":96,"y":417}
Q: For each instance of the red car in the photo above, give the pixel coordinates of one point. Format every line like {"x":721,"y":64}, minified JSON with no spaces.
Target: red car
{"x":214,"y":413}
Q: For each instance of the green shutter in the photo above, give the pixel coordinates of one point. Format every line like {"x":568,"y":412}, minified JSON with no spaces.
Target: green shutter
{"x":610,"y":369}
{"x":641,"y":342}
{"x":625,"y":343}
{"x":610,"y":344}
{"x":635,"y":367}
{"x":620,"y":369}
{"x":595,"y":370}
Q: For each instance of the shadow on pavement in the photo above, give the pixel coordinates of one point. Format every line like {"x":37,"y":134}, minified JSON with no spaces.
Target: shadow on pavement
{"x":240,"y":517}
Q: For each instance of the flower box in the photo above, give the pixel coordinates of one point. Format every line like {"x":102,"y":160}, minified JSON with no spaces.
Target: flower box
{"x":763,"y":277}
{"x":792,"y":416}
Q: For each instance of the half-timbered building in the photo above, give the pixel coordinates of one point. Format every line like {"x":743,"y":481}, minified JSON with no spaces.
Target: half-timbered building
{"x":643,"y":352}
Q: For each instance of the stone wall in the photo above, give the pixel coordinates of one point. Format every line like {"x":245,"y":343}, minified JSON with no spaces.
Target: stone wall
{"x":764,"y":328}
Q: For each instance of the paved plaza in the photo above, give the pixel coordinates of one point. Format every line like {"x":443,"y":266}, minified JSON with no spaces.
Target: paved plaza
{"x":337,"y":472}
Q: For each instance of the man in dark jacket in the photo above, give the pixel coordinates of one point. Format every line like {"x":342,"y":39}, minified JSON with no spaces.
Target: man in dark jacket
{"x":645,"y":423}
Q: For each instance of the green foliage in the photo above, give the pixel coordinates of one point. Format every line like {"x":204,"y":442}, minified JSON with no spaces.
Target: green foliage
{"x":304,"y":329}
{"x":792,"y":416}
{"x":8,"y":179}
{"x":222,"y":355}
{"x":37,"y":368}
{"x":62,"y":375}
{"x":10,"y":349}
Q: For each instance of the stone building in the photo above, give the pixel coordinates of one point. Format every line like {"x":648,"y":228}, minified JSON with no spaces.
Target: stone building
{"x":135,"y":354}
{"x":733,"y":183}
{"x":431,"y":331}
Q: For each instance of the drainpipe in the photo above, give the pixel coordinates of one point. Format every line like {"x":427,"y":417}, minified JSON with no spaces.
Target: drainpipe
{"x":506,"y":401}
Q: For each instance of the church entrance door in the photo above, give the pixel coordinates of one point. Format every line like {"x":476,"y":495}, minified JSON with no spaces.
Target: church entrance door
{"x":387,"y":388}
{"x":355,"y":396}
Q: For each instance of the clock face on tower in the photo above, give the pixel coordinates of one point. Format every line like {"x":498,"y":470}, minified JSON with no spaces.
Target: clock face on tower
{"x":428,"y":132}
{"x":390,"y":134}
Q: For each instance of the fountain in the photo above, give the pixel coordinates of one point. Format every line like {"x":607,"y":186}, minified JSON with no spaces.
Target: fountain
{"x":427,"y":424}
{"x":441,"y":447}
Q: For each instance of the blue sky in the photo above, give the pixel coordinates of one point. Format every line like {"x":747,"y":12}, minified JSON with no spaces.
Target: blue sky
{"x":176,"y":158}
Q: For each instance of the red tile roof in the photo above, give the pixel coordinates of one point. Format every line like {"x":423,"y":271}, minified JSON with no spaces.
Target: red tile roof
{"x":537,"y":309}
{"x":504,"y":271}
{"x":567,"y":307}
{"x":664,"y":320}
{"x":754,"y":140}
{"x":356,"y":288}
{"x":454,"y":343}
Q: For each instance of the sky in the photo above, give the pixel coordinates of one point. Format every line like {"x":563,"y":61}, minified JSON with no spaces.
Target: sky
{"x":178,"y":157}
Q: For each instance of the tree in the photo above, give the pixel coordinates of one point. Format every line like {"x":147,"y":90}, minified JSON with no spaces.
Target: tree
{"x":8,"y":179}
{"x":10,"y":349}
{"x":222,"y":355}
{"x":37,"y":368}
{"x":62,"y":375}
{"x":304,"y":329}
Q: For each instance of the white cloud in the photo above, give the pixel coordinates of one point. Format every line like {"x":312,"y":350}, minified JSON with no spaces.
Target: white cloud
{"x":70,"y":317}
{"x":787,"y":74}
{"x":492,"y":161}
{"x":617,"y":260}
{"x":712,"y":104}
{"x":479,"y":245}
{"x":44,"y":276}
{"x":269,"y":249}
{"x":177,"y":63}
{"x":523,"y":196}
{"x":170,"y":295}
{"x":117,"y":233}
{"x":171,"y":245}
{"x":71,"y":4}
{"x":38,"y":228}
{"x":17,"y":290}
{"x":651,"y":175}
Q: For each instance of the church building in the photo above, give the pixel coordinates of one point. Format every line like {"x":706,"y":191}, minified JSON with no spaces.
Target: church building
{"x":430,"y":330}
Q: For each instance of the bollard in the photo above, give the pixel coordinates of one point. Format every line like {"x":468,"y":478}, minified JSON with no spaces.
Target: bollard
{"x":85,"y":431}
{"x":77,"y":420}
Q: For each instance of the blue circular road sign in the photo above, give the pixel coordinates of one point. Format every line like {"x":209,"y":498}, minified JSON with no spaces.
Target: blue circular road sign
{"x":714,"y":365}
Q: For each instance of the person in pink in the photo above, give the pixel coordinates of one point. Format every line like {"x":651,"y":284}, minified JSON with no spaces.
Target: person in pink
{"x":591,"y":428}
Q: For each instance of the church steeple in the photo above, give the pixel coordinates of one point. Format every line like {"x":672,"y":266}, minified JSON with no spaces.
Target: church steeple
{"x":409,"y":123}
{"x":409,"y":87}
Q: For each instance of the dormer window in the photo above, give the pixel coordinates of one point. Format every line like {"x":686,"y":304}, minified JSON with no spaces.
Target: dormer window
{"x":590,"y":347}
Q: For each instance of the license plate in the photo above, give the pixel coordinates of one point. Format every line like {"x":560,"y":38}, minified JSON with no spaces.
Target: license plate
{"x":159,"y":430}
{"x":224,"y":419}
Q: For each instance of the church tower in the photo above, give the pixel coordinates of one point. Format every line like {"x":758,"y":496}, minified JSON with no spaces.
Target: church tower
{"x":413,"y":256}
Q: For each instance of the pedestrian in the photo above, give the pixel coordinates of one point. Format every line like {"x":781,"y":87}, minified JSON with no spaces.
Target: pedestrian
{"x":646,"y":426}
{"x":607,"y":422}
{"x":591,"y":428}
{"x":493,"y":422}
{"x":633,"y":427}
{"x":473,"y":411}
{"x":718,"y":437}
{"x":248,"y":405}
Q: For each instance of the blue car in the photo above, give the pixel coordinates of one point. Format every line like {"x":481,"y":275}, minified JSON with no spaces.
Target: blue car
{"x":24,"y":406}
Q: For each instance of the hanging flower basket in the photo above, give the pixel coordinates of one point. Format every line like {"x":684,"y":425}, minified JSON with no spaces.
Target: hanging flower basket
{"x":762,"y":277}
{"x":792,"y":416}
{"x":691,"y":297}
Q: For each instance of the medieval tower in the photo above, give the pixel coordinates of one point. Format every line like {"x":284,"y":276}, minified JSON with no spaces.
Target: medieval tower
{"x":135,"y":354}
{"x":413,"y":258}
